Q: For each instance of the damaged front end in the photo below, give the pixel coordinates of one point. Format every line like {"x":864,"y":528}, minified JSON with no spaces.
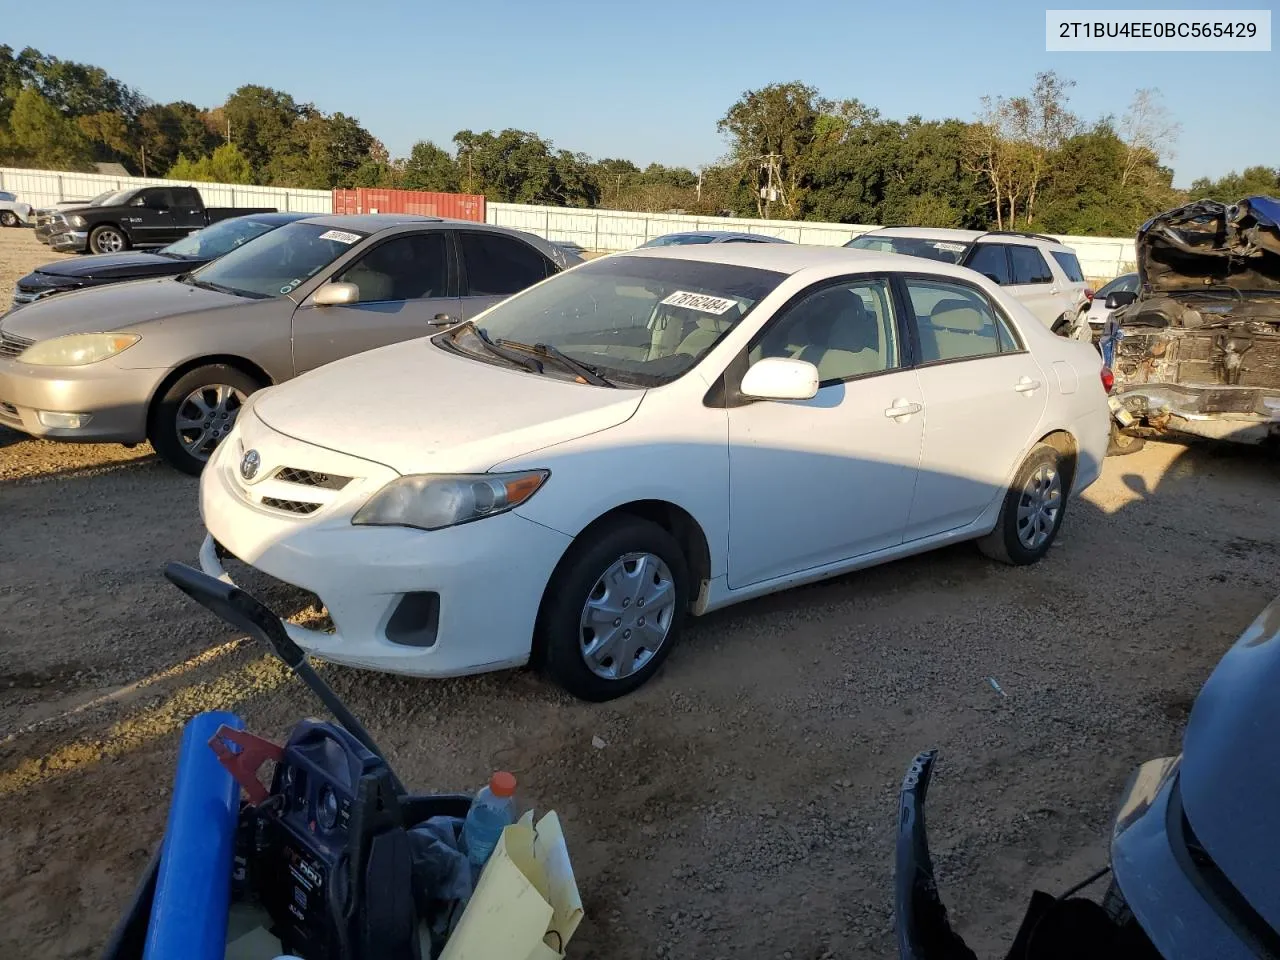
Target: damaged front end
{"x":1198,"y":352}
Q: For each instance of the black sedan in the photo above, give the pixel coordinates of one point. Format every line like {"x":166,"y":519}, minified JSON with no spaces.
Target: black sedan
{"x":181,"y":256}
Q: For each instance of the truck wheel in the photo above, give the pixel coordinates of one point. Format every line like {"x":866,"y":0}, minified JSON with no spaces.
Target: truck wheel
{"x":8,"y":218}
{"x":194,"y":414}
{"x":107,"y":239}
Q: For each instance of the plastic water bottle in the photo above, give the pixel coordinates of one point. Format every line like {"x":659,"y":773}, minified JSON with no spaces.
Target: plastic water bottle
{"x":493,"y":809}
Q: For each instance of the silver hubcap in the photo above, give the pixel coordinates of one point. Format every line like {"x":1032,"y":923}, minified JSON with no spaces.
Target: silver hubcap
{"x":206,"y":416}
{"x":1038,"y":506}
{"x":110,"y":242}
{"x":627,"y":615}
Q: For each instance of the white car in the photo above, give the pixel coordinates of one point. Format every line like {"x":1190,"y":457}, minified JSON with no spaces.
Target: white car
{"x":1098,"y":313}
{"x":668,"y":430}
{"x":1039,"y":271}
{"x":12,"y":210}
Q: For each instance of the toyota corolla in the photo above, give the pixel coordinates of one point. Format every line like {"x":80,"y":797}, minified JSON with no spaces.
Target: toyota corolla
{"x":566,"y":475}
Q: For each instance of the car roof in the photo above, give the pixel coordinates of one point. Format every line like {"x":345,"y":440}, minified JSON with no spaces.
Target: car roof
{"x":369,"y":222}
{"x":966,"y":236}
{"x":279,"y":216}
{"x":723,"y":235}
{"x":793,"y":258}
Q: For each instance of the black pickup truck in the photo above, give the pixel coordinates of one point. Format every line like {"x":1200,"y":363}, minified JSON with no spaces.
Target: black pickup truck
{"x":141,"y":217}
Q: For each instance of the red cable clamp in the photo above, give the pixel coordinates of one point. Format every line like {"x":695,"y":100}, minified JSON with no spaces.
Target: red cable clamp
{"x":243,"y":753}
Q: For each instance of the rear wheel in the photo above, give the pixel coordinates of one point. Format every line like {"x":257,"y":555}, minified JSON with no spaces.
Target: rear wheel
{"x":107,"y":239}
{"x":196,"y":412}
{"x":8,"y":218}
{"x":613,"y":609}
{"x":1032,"y":513}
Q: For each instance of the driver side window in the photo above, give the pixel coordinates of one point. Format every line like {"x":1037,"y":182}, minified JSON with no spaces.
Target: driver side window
{"x":406,"y":268}
{"x":846,"y":330}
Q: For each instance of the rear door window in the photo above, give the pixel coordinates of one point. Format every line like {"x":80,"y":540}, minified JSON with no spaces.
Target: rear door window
{"x":1028,"y":265}
{"x":497,"y":265}
{"x":990,"y":259}
{"x":1070,"y":265}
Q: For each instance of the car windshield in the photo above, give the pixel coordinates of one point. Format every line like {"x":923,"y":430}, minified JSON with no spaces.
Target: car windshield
{"x":213,"y":241}
{"x":948,"y":251}
{"x":99,"y":199}
{"x":640,"y":321}
{"x":278,"y":262}
{"x":678,"y":239}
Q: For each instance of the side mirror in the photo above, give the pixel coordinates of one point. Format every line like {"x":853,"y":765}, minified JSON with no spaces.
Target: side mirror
{"x":1121,"y":298}
{"x":779,"y":378}
{"x":336,"y":295}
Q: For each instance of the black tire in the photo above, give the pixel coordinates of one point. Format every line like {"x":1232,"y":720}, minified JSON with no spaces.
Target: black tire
{"x":559,"y":633}
{"x":1122,"y":444}
{"x":103,"y":239}
{"x":162,"y":426}
{"x":8,"y":218}
{"x":1004,"y":543}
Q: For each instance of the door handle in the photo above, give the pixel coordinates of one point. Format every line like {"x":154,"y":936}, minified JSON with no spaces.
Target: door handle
{"x":1027,"y":385}
{"x":902,"y":408}
{"x":440,"y":319}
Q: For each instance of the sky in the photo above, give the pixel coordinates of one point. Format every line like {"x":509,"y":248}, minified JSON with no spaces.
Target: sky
{"x":644,"y":81}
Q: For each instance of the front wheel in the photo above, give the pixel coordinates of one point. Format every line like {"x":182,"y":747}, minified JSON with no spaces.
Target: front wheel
{"x":613,"y":609}
{"x":107,"y":239}
{"x":1032,"y":512}
{"x":196,"y":412}
{"x":8,"y":218}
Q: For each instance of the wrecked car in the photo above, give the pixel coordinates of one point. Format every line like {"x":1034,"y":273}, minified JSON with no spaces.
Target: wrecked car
{"x":1196,"y":350}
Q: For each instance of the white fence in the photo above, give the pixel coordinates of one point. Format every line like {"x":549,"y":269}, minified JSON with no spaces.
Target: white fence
{"x":43,"y":188}
{"x":1101,"y":258}
{"x":604,"y":230}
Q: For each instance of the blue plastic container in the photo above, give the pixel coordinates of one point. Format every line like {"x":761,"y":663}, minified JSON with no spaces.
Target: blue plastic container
{"x":193,"y":884}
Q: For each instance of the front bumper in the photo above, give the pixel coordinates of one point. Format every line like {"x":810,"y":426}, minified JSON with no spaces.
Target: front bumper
{"x":1239,"y":414}
{"x":474,"y":589}
{"x":115,"y":400}
{"x":70,"y":241}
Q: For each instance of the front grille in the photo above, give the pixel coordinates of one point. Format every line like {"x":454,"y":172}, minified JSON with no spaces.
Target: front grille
{"x":311,"y":478}
{"x":290,"y":506}
{"x":11,"y":345}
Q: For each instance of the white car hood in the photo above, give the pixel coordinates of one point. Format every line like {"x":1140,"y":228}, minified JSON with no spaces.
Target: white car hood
{"x":418,"y":409}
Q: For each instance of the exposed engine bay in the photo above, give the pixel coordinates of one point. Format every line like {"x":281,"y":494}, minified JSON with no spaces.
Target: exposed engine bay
{"x":1198,"y":351}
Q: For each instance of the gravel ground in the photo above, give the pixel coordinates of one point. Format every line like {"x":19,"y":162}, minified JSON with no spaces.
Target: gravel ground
{"x":743,"y":803}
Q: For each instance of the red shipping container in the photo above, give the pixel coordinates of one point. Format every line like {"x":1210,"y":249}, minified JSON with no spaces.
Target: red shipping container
{"x":455,"y":206}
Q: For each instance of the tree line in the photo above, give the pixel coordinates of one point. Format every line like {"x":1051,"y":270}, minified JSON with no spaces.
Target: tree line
{"x":1023,"y":162}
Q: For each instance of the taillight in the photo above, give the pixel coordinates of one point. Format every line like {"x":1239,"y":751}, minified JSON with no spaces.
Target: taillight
{"x":1088,"y":294}
{"x":1108,"y":379}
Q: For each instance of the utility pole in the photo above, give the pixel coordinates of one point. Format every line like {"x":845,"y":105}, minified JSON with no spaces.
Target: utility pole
{"x":144,"y":159}
{"x":771,"y":191}
{"x":699,"y":184}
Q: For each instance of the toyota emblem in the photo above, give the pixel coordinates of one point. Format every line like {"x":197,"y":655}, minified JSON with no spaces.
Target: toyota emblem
{"x":249,"y":464}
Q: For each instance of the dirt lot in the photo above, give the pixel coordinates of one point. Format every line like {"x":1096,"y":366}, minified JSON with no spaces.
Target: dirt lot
{"x":743,"y":803}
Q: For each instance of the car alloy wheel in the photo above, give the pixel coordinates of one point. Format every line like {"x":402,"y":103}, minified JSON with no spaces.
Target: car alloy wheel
{"x":8,"y":218}
{"x":627,"y":616}
{"x":1038,"y":506}
{"x":107,"y":240}
{"x":205,"y":416}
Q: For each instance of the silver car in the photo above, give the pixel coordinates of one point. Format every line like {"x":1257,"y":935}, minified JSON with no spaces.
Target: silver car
{"x":171,"y":360}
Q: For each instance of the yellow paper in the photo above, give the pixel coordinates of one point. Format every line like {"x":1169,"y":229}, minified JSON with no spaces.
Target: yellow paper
{"x":526,"y":904}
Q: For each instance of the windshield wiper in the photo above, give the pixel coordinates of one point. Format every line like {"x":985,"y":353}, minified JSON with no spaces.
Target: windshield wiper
{"x":586,"y":372}
{"x":528,"y":363}
{"x":215,"y":287}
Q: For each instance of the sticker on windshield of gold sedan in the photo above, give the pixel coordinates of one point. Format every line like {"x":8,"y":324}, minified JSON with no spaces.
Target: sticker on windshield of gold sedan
{"x":702,"y":302}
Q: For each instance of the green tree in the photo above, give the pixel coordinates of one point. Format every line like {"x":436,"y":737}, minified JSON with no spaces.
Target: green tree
{"x":260,"y":120}
{"x":225,"y":165}
{"x":40,"y":135}
{"x":429,"y":167}
{"x":1236,"y":186}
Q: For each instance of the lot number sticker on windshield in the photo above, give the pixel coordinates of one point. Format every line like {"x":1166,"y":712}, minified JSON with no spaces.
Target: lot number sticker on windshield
{"x":340,"y":235}
{"x":950,"y":247}
{"x":702,"y":302}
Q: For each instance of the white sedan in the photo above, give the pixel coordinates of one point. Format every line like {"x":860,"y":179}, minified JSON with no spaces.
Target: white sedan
{"x":651,"y":434}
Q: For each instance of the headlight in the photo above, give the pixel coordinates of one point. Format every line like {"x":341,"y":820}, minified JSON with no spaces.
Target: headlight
{"x":76,"y":220}
{"x":434,"y":501}
{"x":78,"y":349}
